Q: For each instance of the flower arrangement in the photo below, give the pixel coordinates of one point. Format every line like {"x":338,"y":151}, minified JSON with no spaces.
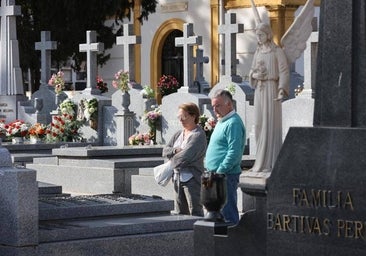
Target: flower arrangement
{"x":208,"y":125}
{"x":152,"y":118}
{"x":18,"y":128}
{"x":37,"y":130}
{"x":68,"y":107}
{"x":101,"y":85}
{"x":121,"y":81}
{"x":57,"y":80}
{"x":63,"y":127}
{"x":147,"y":92}
{"x":168,"y":84}
{"x":90,"y":108}
{"x":140,"y":139}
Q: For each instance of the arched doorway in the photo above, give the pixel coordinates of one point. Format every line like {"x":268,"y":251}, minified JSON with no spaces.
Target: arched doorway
{"x":172,"y":57}
{"x":158,"y":43}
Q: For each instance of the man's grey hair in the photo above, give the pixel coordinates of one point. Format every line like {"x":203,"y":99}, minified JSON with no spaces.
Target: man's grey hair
{"x":224,"y":94}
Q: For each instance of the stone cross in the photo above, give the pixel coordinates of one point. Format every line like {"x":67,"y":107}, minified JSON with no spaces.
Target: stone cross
{"x":11,"y":82}
{"x":128,"y":40}
{"x":229,"y":30}
{"x":45,"y":46}
{"x":199,"y":60}
{"x":187,"y":42}
{"x":92,"y":48}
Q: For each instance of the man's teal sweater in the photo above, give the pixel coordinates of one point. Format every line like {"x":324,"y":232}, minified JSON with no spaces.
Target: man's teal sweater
{"x":226,"y":148}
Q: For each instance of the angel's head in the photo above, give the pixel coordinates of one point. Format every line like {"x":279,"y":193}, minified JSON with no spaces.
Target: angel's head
{"x":264,"y":33}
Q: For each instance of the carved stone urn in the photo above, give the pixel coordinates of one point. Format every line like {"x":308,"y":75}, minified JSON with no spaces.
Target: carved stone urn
{"x":126,"y":100}
{"x":213,"y":195}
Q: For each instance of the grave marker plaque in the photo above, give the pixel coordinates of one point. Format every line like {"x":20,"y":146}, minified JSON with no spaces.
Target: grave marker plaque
{"x":316,"y":194}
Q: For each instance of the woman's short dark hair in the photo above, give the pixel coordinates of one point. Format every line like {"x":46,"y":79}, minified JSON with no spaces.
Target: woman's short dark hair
{"x":192,"y":109}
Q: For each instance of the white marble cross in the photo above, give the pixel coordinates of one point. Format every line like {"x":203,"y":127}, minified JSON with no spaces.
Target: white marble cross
{"x":128,"y":40}
{"x":187,"y":42}
{"x":11,"y":82}
{"x":229,"y":30}
{"x":92,"y":48}
{"x":45,"y":46}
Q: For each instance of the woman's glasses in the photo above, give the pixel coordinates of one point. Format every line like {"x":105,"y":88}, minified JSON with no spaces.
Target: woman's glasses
{"x":182,"y":117}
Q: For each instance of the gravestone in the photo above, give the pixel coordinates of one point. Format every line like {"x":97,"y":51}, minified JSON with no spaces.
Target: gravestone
{"x":45,"y":94}
{"x":11,"y":82}
{"x":188,"y":41}
{"x":188,"y":92}
{"x":45,"y":46}
{"x":92,"y":48}
{"x":128,"y":40}
{"x":230,"y":29}
{"x":315,"y":203}
{"x":199,"y":60}
{"x":299,"y":110}
{"x":130,"y":122}
{"x":123,"y":124}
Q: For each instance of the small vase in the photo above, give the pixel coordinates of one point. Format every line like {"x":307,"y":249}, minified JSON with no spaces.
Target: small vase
{"x":152,"y":131}
{"x":126,"y":100}
{"x":148,"y":104}
{"x":34,"y":140}
{"x":17,"y":140}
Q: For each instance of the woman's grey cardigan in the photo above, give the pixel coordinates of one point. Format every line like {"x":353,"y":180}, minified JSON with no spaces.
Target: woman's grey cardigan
{"x":191,"y":157}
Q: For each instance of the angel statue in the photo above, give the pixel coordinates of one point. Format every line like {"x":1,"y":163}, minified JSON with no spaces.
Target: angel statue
{"x":270,"y":77}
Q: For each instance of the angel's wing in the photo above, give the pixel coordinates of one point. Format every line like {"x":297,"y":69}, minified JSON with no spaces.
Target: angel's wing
{"x":294,"y":40}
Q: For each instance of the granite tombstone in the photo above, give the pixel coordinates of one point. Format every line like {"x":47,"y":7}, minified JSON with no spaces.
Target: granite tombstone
{"x":11,"y":83}
{"x":315,"y":202}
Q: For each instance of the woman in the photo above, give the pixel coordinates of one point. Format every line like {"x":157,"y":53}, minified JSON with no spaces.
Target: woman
{"x":269,"y":76}
{"x":186,"y":149}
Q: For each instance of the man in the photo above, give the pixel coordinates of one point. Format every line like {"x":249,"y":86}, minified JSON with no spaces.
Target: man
{"x":226,"y":148}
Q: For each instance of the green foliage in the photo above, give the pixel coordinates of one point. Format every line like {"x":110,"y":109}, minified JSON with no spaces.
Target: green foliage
{"x":68,"y":21}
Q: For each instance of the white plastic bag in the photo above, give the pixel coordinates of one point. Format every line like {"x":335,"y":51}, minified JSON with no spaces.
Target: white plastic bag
{"x":163,"y":173}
